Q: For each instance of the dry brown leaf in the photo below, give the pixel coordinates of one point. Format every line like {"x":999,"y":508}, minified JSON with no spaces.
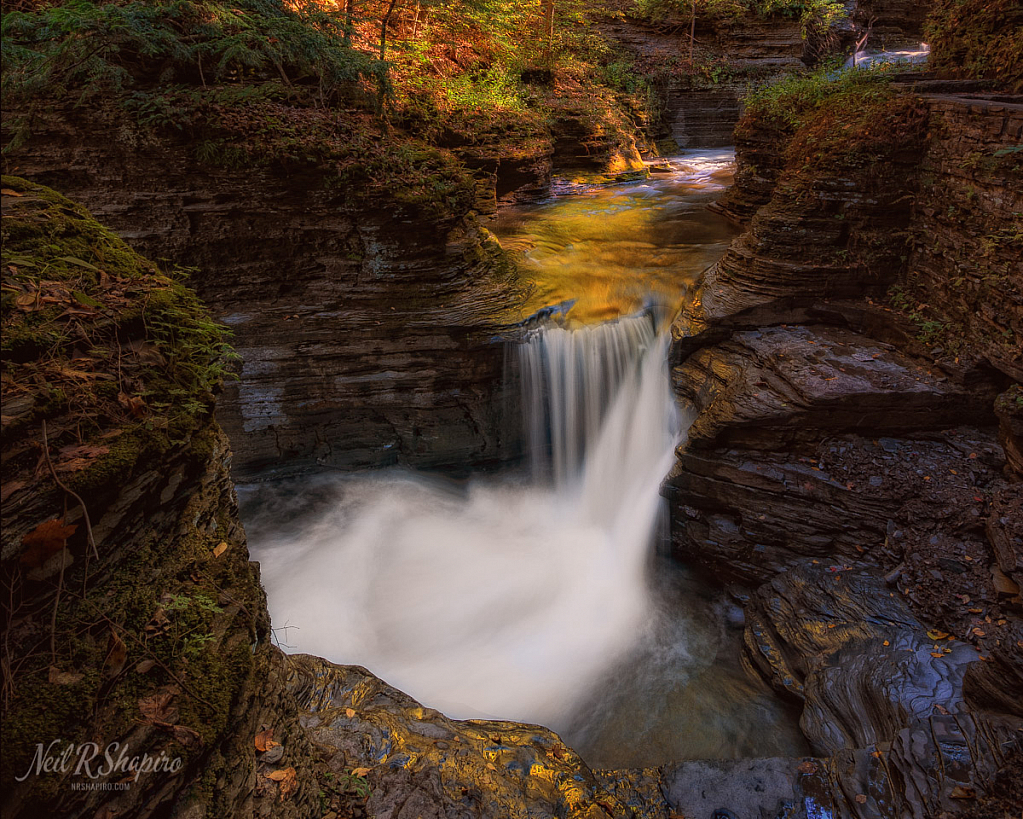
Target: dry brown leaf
{"x":219,"y":549}
{"x":158,"y":707}
{"x":145,"y":666}
{"x":265,"y":740}
{"x":9,"y":192}
{"x":962,"y":792}
{"x":117,"y":654}
{"x":43,"y":542}
{"x":861,"y":798}
{"x":350,"y":713}
{"x":360,"y":771}
{"x":937,"y":654}
{"x":288,"y":779}
{"x":58,"y":677}
{"x":807,"y":766}
{"x":937,"y":635}
{"x":133,"y":403}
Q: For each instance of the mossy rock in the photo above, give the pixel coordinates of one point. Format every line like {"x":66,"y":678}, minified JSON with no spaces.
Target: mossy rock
{"x":97,"y":338}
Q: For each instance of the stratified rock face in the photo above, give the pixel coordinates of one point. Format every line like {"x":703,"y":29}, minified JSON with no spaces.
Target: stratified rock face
{"x":365,"y":339}
{"x":967,"y":259}
{"x":703,"y":113}
{"x":420,"y":763}
{"x":880,"y":695}
{"x":123,"y":554}
{"x":892,"y":23}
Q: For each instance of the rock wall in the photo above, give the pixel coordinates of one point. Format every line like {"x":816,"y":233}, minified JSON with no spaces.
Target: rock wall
{"x":132,"y":614}
{"x":366,"y":333}
{"x":852,"y":457}
{"x":966,"y":262}
{"x":699,"y":111}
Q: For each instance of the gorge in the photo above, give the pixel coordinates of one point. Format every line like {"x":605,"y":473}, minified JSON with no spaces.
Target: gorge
{"x":457,"y":450}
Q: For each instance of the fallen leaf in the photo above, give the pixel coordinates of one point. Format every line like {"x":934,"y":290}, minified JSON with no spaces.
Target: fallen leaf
{"x":937,"y":635}
{"x":79,"y":262}
{"x":941,"y":709}
{"x":360,"y":771}
{"x":350,"y":713}
{"x":145,"y":666}
{"x":265,"y":740}
{"x":219,"y":549}
{"x":491,"y":766}
{"x":937,"y":654}
{"x":133,"y":404}
{"x":962,"y":792}
{"x":288,"y":779}
{"x":887,"y":643}
{"x":117,"y":654}
{"x":861,"y":798}
{"x":979,"y":632}
{"x":58,"y":677}
{"x":43,"y":542}
{"x":807,"y":766}
{"x":9,"y":192}
{"x":158,"y":622}
{"x":157,"y":707}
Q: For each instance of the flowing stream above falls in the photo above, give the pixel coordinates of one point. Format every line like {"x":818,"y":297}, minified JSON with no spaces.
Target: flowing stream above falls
{"x":535,"y":596}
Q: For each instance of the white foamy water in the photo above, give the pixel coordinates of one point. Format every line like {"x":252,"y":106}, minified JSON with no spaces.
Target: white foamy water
{"x":501,"y":599}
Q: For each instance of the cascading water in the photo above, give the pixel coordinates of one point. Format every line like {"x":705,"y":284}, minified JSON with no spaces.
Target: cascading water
{"x":530,"y":598}
{"x":506,"y":599}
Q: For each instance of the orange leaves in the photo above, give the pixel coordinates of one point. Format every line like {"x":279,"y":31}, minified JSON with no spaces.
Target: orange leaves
{"x":45,"y":541}
{"x":219,"y":549}
{"x":117,"y":655}
{"x":265,"y":741}
{"x":288,"y":780}
{"x":133,"y":403}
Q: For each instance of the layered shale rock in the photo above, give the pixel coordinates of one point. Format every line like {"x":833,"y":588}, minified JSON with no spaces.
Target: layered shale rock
{"x":698,"y":111}
{"x":133,"y":615}
{"x":881,"y":695}
{"x":966,"y":263}
{"x":364,"y":326}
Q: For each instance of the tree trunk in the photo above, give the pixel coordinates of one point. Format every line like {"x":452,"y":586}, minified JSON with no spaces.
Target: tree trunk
{"x":349,"y":21}
{"x":382,"y":86}
{"x":548,"y":29}
{"x":692,"y":33}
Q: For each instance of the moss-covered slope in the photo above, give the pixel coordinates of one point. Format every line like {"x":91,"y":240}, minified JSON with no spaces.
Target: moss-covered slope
{"x":130,"y":610}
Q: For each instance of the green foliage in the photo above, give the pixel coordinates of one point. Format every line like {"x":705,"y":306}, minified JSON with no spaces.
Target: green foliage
{"x":814,"y":15}
{"x":982,"y":39}
{"x":795,"y":99}
{"x":84,"y":50}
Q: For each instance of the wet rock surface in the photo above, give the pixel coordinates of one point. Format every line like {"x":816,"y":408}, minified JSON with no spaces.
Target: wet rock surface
{"x":859,"y":465}
{"x":881,"y":694}
{"x":422,"y":764}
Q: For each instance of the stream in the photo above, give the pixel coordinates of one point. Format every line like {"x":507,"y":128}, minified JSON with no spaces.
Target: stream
{"x":538,"y":594}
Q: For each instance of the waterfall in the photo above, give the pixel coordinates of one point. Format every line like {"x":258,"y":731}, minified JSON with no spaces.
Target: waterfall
{"x":504,"y":598}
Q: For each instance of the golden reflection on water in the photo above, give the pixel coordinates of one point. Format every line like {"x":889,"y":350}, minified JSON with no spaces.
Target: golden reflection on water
{"x":615,"y":248}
